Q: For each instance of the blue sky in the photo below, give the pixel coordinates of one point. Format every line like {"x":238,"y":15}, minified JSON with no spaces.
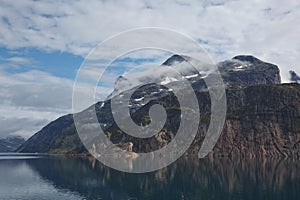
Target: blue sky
{"x":43,"y":43}
{"x":56,"y":63}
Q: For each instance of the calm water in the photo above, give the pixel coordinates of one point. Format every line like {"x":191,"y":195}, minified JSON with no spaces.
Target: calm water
{"x":43,"y":177}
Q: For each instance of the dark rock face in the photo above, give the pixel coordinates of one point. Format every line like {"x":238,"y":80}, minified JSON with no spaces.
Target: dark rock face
{"x":11,"y":143}
{"x":263,"y":117}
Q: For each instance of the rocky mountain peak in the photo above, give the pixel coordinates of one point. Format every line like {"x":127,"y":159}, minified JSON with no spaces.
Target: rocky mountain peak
{"x":247,"y":58}
{"x":176,"y":59}
{"x":247,"y":70}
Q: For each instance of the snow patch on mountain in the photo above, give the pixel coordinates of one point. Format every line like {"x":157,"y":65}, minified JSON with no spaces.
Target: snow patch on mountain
{"x":168,"y":80}
{"x":176,"y":68}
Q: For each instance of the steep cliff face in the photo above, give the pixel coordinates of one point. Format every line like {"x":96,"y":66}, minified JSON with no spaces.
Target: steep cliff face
{"x":263,"y":117}
{"x":262,"y":121}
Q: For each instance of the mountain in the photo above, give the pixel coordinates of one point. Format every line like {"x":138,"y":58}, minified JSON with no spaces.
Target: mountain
{"x":263,"y":116}
{"x":11,"y":143}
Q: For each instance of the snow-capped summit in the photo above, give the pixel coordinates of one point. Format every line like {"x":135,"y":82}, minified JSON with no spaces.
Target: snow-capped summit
{"x":175,"y":68}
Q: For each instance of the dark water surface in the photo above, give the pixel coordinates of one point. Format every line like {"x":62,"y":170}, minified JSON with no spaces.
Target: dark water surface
{"x":38,"y":177}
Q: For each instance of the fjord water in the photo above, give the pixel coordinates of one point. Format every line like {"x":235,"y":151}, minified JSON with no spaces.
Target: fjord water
{"x":59,"y":177}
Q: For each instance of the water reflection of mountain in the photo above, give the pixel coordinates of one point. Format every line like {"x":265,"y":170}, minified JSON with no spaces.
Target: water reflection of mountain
{"x":185,"y":179}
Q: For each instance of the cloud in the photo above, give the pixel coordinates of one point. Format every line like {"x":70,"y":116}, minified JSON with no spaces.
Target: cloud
{"x":29,"y":100}
{"x":35,"y":89}
{"x":19,"y":60}
{"x":268,"y":29}
{"x":14,"y":62}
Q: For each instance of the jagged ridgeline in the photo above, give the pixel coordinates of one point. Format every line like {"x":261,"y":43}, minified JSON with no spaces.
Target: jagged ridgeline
{"x":263,"y":115}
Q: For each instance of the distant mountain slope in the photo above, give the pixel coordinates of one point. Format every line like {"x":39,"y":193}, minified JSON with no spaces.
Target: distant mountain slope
{"x":58,"y":136}
{"x":11,"y":143}
{"x":263,"y":117}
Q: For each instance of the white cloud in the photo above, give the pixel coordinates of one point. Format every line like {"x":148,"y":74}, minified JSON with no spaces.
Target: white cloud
{"x":19,"y":60}
{"x":268,"y":29}
{"x":15,"y":62}
{"x":30,"y":100}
